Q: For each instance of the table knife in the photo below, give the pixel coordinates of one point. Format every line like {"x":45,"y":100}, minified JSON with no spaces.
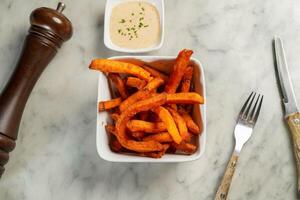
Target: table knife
{"x":292,"y":115}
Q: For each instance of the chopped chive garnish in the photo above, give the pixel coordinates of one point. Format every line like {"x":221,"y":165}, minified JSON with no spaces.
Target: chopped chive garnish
{"x":133,"y":24}
{"x":122,"y":21}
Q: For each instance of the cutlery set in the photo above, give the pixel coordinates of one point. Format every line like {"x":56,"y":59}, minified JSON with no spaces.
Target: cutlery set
{"x":249,"y":115}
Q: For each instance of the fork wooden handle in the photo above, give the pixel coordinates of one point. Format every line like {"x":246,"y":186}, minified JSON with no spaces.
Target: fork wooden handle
{"x":226,"y":181}
{"x":293,"y":121}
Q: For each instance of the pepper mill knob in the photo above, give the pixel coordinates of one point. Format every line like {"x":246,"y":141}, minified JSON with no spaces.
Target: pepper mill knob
{"x":52,"y":23}
{"x":49,"y":29}
{"x":60,"y":7}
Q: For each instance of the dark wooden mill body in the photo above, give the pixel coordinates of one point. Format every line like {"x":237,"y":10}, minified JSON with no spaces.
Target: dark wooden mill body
{"x":49,"y":29}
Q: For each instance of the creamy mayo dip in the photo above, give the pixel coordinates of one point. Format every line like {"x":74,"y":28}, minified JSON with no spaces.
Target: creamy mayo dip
{"x":134,"y":25}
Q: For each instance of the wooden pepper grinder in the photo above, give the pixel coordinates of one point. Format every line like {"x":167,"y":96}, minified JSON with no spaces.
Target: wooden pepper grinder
{"x":49,"y":29}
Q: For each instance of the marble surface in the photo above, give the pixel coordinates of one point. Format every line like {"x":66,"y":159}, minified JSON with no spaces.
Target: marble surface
{"x":56,"y":156}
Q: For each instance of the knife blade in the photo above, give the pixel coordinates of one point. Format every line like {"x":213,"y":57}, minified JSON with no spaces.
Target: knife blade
{"x":292,"y":115}
{"x":287,"y":91}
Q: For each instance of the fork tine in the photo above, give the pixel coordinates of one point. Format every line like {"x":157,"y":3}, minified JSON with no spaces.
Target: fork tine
{"x":258,"y":109}
{"x":249,"y":106}
{"x":244,"y":106}
{"x":251,"y":116}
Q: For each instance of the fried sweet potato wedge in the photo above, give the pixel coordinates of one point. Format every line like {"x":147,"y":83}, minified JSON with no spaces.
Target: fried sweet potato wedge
{"x":132,"y":110}
{"x":119,"y":84}
{"x":166,"y":117}
{"x":147,"y":127}
{"x":138,"y":135}
{"x":106,"y":105}
{"x":113,"y":66}
{"x":114,"y":116}
{"x":183,"y":130}
{"x":115,"y":145}
{"x":154,"y":84}
{"x":185,"y":147}
{"x":159,"y":137}
{"x":135,"y":82}
{"x":157,"y":154}
{"x":187,"y":79}
{"x":156,"y":73}
{"x":185,"y":98}
{"x":192,"y":126}
{"x":110,"y":129}
{"x":181,"y":64}
{"x":141,"y":94}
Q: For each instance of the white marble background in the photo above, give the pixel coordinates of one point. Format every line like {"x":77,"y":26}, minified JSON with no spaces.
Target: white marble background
{"x":56,"y":157}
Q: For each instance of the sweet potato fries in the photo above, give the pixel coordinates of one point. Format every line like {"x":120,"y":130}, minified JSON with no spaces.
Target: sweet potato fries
{"x":150,"y":111}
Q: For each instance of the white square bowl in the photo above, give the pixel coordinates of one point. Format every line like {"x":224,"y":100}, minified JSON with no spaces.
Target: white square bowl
{"x":159,"y":4}
{"x":102,"y":140}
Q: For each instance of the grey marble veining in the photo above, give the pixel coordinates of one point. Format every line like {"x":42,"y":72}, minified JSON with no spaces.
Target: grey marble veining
{"x":56,"y":157}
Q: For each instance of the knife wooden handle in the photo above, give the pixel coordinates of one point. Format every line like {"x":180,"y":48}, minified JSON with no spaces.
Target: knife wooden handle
{"x":227,"y":178}
{"x":293,"y":121}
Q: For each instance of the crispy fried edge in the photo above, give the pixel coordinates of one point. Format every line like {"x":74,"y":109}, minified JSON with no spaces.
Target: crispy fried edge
{"x":157,"y":154}
{"x":156,"y":73}
{"x":159,"y":137}
{"x":135,"y":82}
{"x":185,"y":147}
{"x":137,"y":135}
{"x":113,"y":142}
{"x":119,"y":84}
{"x":187,"y":79}
{"x":192,"y":126}
{"x":109,"y":104}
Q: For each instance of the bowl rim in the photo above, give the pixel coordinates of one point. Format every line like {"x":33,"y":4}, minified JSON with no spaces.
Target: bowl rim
{"x":106,"y":37}
{"x":171,"y":158}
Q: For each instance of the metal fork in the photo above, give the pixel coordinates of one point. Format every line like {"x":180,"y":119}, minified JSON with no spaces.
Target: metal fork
{"x":242,"y":132}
